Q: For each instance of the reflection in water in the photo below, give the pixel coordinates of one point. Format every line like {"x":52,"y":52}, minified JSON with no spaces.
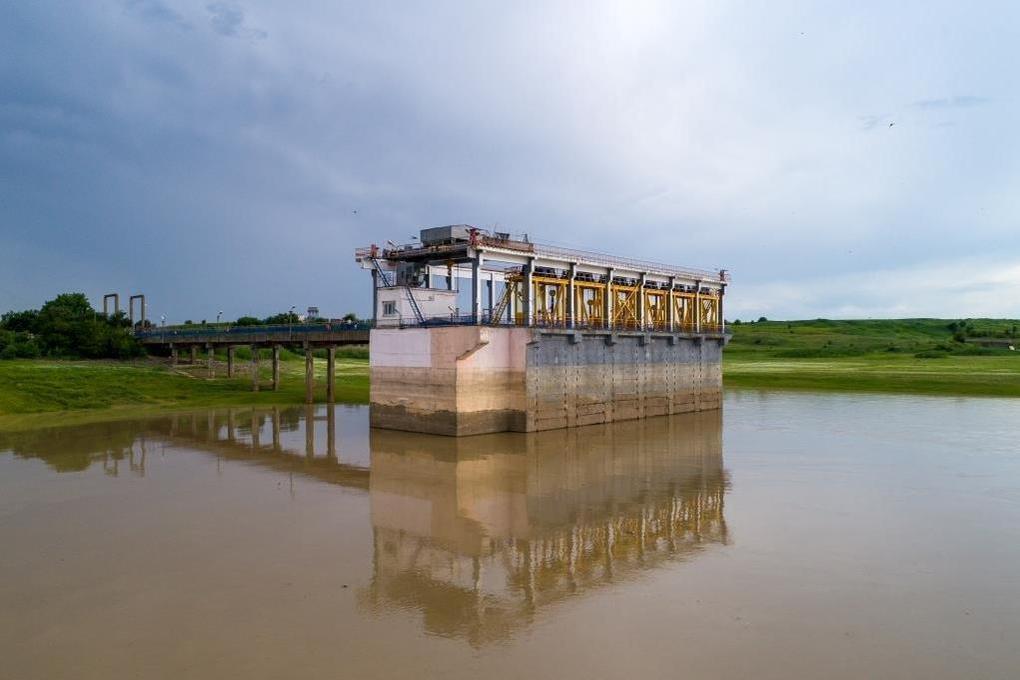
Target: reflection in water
{"x":475,"y":534}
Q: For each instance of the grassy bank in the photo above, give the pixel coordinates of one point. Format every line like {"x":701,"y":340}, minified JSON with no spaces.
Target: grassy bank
{"x":32,"y":390}
{"x":903,"y":355}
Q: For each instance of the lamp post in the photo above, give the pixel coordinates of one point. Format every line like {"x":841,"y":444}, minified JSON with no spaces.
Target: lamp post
{"x":218,"y":315}
{"x":290,"y":322}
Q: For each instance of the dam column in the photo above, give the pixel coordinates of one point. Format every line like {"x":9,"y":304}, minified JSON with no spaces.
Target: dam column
{"x":607,"y":312}
{"x":671,"y":306}
{"x":571,"y":301}
{"x":528,"y":294}
{"x":697,"y":307}
{"x":476,"y":289}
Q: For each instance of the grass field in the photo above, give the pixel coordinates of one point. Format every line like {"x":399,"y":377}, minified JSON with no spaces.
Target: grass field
{"x":904,"y":355}
{"x":900,"y":355}
{"x":32,"y":390}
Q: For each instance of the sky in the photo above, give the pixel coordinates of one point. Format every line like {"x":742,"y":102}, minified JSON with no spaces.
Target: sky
{"x":841,"y":160}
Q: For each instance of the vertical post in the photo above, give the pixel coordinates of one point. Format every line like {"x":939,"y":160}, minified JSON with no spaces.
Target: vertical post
{"x":211,"y":359}
{"x":143,"y":310}
{"x":194,"y":354}
{"x":607,"y":313}
{"x":528,"y":294}
{"x":330,"y":374}
{"x":254,"y":368}
{"x":492,"y":295}
{"x":642,"y":306}
{"x":173,"y":356}
{"x":230,"y":361}
{"x":309,"y":375}
{"x":276,"y":368}
{"x":375,"y":297}
{"x":697,"y":306}
{"x":476,"y":289}
{"x":256,"y":430}
{"x":571,"y":299}
{"x":671,"y":306}
{"x":230,"y":425}
{"x":722,"y":319}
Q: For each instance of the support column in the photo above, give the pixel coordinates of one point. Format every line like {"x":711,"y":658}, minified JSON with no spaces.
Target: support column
{"x":528,"y":294}
{"x":642,"y":307}
{"x":492,"y":295}
{"x":607,"y":303}
{"x":331,"y":374}
{"x":571,"y":299}
{"x":256,"y":430}
{"x":476,"y":289}
{"x":211,"y":360}
{"x":697,"y":307}
{"x":375,"y":296}
{"x":254,"y":368}
{"x":194,"y":354}
{"x":276,"y":368}
{"x":671,"y":306}
{"x":722,"y":319}
{"x":173,"y":356}
{"x":230,"y":361}
{"x":309,"y":375}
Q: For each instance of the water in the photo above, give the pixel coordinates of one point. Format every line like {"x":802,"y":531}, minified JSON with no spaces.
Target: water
{"x":793,"y":535}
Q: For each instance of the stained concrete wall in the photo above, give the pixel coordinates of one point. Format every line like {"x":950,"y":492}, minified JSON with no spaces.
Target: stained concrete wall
{"x":473,"y":379}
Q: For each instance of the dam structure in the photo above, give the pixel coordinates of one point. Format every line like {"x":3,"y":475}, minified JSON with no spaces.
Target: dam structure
{"x":477,"y":332}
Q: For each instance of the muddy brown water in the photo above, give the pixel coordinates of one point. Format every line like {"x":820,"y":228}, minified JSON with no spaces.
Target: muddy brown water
{"x":791,"y":535}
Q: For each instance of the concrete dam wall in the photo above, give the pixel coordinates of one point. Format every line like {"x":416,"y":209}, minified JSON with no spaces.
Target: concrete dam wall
{"x":466,"y":380}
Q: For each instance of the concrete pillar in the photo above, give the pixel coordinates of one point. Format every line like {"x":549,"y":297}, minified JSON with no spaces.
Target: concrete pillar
{"x":571,"y":297}
{"x":256,"y":427}
{"x":276,"y":368}
{"x":309,"y":375}
{"x":528,"y":294}
{"x":476,"y":289}
{"x":254,"y":368}
{"x":230,"y":361}
{"x":211,"y":359}
{"x":642,"y":307}
{"x":671,"y":306}
{"x":276,"y":428}
{"x":194,"y":354}
{"x":231,"y":425}
{"x":607,"y":313}
{"x":173,"y":356}
{"x":331,"y":374}
{"x":492,"y":294}
{"x":697,"y":307}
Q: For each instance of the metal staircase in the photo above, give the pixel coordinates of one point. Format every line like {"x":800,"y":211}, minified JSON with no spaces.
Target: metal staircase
{"x":407,"y":289}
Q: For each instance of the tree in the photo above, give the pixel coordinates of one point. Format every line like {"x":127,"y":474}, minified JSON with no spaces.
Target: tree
{"x":350,"y":317}
{"x":247,"y":321}
{"x":280,"y":319}
{"x":20,"y":321}
{"x":762,"y":319}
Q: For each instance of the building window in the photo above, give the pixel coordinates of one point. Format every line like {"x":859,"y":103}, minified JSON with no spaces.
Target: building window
{"x":389,"y":308}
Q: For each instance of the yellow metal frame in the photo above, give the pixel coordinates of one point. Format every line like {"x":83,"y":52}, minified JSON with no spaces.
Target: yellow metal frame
{"x":625,"y":306}
{"x":589,"y":303}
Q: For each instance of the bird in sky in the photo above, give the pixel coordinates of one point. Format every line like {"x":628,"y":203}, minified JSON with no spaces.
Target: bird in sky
{"x":891,"y":124}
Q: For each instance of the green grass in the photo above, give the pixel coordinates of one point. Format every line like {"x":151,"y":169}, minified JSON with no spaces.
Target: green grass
{"x":79,"y":390}
{"x":894,"y":355}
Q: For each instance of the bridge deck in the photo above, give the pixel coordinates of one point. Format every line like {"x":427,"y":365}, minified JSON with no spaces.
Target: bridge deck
{"x":313,"y":334}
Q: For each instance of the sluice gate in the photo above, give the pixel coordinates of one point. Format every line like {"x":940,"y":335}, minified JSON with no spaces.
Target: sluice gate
{"x":541,"y":337}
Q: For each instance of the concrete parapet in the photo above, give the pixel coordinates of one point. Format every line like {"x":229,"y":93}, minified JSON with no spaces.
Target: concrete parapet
{"x":465,"y":380}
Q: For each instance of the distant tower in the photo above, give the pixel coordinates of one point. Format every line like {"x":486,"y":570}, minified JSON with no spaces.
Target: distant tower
{"x":313,"y":312}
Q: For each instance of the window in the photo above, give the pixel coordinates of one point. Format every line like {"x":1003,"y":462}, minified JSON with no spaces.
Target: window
{"x":389,"y":308}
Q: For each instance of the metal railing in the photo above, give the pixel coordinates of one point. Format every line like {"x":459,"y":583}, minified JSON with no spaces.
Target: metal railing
{"x":275,"y":329}
{"x":487,"y":320}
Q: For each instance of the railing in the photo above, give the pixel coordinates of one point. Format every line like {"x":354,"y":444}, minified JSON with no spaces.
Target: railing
{"x":487,"y":320}
{"x":277,"y":329}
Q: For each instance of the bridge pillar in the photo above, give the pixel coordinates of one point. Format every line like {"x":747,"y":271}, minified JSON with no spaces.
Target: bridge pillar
{"x":230,"y":361}
{"x":256,"y":430}
{"x":211,"y":359}
{"x":194,"y":354}
{"x":331,"y":432}
{"x":254,"y":368}
{"x":276,"y":428}
{"x":173,"y":356}
{"x":276,"y":368}
{"x":331,"y":374}
{"x":309,"y":375}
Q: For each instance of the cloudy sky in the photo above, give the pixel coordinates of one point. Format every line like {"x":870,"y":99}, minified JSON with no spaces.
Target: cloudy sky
{"x":841,"y":159}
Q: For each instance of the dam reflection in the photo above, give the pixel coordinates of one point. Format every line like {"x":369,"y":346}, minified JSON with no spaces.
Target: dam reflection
{"x":475,"y":535}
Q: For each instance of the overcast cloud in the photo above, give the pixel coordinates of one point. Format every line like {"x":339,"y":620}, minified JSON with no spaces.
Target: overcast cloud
{"x":841,"y":159}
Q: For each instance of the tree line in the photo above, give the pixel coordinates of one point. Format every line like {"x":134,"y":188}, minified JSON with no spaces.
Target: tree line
{"x":68,"y":327}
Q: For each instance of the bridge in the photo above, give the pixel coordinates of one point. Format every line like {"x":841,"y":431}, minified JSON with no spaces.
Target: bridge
{"x":192,"y":339}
